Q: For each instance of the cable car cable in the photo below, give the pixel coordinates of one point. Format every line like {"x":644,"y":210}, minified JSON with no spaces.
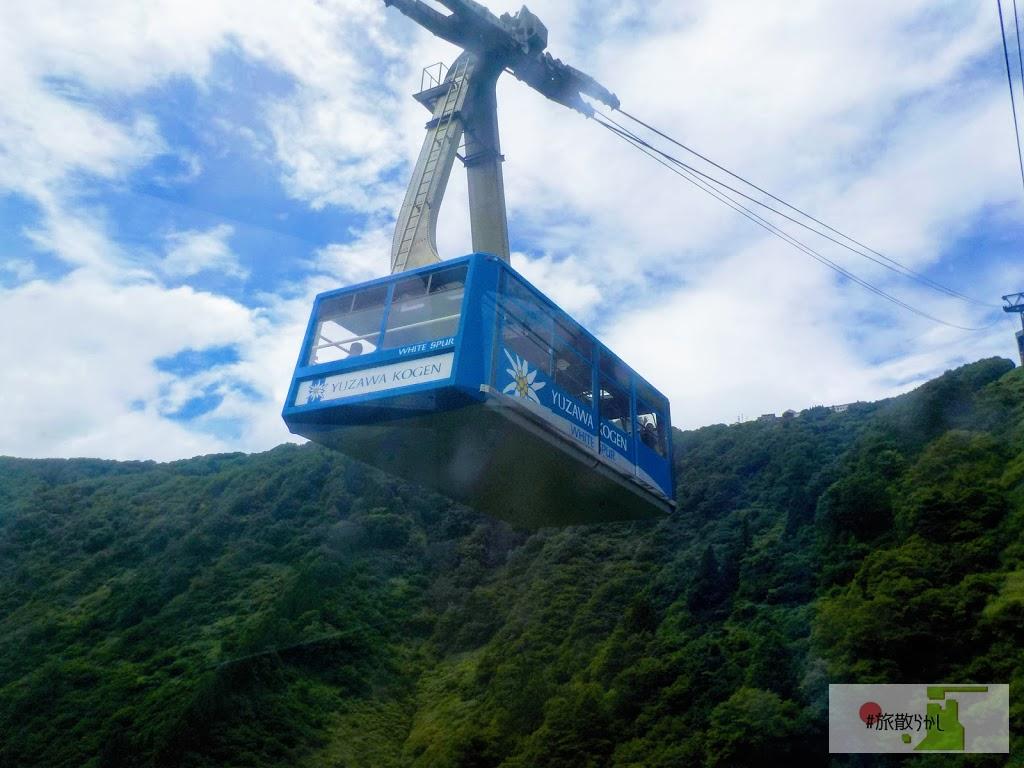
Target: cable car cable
{"x":640,"y":144}
{"x":893,"y":264}
{"x":764,"y":223}
{"x":1016,"y":30}
{"x":1009,"y":82}
{"x":712,"y":179}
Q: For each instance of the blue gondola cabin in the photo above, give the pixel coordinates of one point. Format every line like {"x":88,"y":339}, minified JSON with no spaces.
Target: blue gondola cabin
{"x":464,"y":377}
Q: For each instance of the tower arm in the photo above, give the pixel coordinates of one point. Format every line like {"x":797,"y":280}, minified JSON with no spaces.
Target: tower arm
{"x":1014,"y":302}
{"x":445,"y":27}
{"x":465,"y":105}
{"x":470,"y":25}
{"x":562,"y":83}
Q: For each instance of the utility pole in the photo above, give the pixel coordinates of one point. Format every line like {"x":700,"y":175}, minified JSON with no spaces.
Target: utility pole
{"x":1015,"y":303}
{"x":462,"y":102}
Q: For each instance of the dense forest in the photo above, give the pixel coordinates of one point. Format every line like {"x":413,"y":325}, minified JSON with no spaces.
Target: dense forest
{"x":297,"y":608}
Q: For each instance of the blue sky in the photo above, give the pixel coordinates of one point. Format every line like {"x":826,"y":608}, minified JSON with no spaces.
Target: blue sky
{"x":177,"y":180}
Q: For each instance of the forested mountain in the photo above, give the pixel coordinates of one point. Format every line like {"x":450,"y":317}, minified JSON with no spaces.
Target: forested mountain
{"x":296,"y":608}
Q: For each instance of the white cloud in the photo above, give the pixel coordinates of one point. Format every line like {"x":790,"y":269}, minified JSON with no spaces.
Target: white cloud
{"x":266,"y":363}
{"x":78,"y":236}
{"x":190,"y":252}
{"x":333,"y":156}
{"x":746,"y":340}
{"x":45,"y":139}
{"x":890,"y":122}
{"x":87,"y":350}
{"x":366,"y":256}
{"x":334,"y":134}
{"x":569,"y":283}
{"x":20,"y":270}
{"x":794,"y":98}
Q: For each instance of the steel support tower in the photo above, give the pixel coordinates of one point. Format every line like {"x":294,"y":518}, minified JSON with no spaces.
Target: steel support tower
{"x":462,"y":103}
{"x":1015,"y":303}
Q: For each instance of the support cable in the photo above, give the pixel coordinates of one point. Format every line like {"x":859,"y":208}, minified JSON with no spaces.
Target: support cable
{"x":723,"y":197}
{"x":1009,"y":82}
{"x":1016,"y":31}
{"x":861,"y":249}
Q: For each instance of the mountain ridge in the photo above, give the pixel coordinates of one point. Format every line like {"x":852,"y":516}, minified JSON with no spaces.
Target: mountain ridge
{"x":297,"y":607}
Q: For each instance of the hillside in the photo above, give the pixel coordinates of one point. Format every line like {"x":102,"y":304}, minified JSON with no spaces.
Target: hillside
{"x":296,"y":608}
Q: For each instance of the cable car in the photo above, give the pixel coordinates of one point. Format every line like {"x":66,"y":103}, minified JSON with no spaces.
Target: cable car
{"x":464,"y":377}
{"x":459,"y":374}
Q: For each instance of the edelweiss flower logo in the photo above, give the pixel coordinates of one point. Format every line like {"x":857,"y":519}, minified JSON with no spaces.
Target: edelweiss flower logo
{"x":317,"y":389}
{"x":523,"y":384}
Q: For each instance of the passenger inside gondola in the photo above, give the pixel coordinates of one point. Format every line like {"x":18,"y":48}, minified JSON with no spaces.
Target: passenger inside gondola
{"x":348,"y":325}
{"x":651,"y":420}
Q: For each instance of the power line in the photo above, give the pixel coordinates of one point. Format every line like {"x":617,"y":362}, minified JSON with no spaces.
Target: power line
{"x":865,"y":251}
{"x":1016,"y":30}
{"x":757,"y":219}
{"x":765,"y":205}
{"x":765,"y":224}
{"x":1009,"y":82}
{"x":652,"y":152}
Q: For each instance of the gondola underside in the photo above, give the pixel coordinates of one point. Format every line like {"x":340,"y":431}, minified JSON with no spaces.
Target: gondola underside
{"x":496,"y":457}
